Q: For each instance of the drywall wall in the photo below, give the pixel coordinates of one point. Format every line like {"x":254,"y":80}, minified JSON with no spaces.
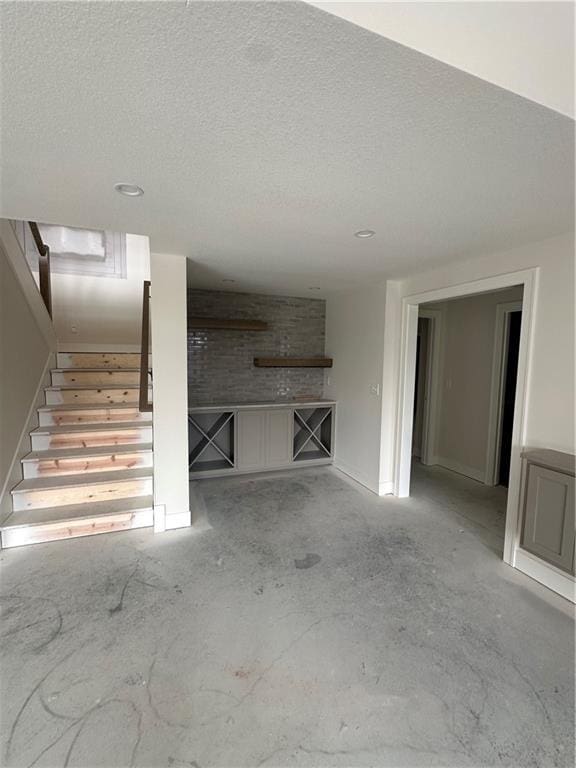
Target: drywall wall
{"x":526,"y":47}
{"x":102,"y":312}
{"x":170,"y":414}
{"x":27,"y":342}
{"x":221,"y":363}
{"x":355,"y":339}
{"x":550,"y":395}
{"x":467,"y":348}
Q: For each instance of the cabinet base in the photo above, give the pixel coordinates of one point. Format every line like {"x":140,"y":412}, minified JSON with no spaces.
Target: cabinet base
{"x":549,"y":576}
{"x":203,"y":475}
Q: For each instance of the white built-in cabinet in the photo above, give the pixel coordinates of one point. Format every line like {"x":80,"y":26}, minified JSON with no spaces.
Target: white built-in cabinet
{"x":264,"y":439}
{"x":240,"y":439}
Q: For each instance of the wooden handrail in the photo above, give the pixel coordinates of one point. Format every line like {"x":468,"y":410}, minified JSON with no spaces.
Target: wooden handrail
{"x":43,"y":266}
{"x":145,"y":404}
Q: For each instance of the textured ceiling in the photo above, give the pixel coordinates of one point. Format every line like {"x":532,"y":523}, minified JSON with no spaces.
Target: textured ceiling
{"x":525,"y":47}
{"x":264,"y":135}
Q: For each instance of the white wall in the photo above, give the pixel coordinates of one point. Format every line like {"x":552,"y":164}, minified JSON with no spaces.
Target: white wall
{"x":355,"y":339}
{"x":170,"y":375}
{"x":525,"y":47}
{"x":467,"y":349}
{"x":27,"y":345}
{"x":550,"y":396}
{"x":106,"y":312}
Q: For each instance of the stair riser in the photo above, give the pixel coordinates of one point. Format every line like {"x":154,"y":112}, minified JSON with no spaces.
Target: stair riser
{"x":35,"y":534}
{"x":81,"y":466}
{"x":91,"y":416}
{"x":98,"y":360}
{"x":96,"y":378}
{"x":110,"y":491}
{"x":92,"y":396}
{"x":92,"y":439}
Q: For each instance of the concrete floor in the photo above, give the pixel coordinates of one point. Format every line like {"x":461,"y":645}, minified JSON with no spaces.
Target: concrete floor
{"x":313,"y":625}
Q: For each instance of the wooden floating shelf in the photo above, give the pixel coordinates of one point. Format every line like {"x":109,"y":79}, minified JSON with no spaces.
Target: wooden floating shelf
{"x":221,"y":324}
{"x":293,"y":362}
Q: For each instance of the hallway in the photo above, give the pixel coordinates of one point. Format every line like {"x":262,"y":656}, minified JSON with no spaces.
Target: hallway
{"x":310,"y":623}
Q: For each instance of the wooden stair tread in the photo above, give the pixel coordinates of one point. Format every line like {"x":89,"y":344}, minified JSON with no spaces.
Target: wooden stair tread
{"x":73,"y":512}
{"x":77,"y":481}
{"x":81,"y":453}
{"x":108,"y":426}
{"x":95,"y":370}
{"x":58,"y":387}
{"x":86,"y":406}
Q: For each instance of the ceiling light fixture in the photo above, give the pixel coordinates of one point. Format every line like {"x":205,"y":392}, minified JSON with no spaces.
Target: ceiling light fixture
{"x":364,"y":233}
{"x":130,"y":190}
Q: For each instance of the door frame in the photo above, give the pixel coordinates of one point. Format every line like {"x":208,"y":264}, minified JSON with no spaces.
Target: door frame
{"x":528,"y":279}
{"x":499,"y":364}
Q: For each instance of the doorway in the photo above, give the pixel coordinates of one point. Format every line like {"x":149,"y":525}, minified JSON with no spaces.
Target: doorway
{"x":510,"y":373}
{"x":508,"y":326}
{"x":421,"y":388}
{"x":407,"y":385}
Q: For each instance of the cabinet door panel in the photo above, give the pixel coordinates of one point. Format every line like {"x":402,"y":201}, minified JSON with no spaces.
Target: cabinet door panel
{"x":251,"y":436}
{"x":278,"y":437}
{"x":548,"y":529}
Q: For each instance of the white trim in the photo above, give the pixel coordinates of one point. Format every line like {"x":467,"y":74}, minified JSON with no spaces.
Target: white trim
{"x":546,"y":574}
{"x":386,"y":489}
{"x":461,"y":469}
{"x":528,"y":278}
{"x":358,"y":477}
{"x":178,"y":520}
{"x":78,"y":347}
{"x":499,"y":363}
{"x":159,"y":518}
{"x":432,"y":389}
{"x":14,"y":474}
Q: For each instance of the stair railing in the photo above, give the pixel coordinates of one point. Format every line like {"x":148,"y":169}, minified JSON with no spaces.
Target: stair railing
{"x":145,"y":369}
{"x":43,"y":266}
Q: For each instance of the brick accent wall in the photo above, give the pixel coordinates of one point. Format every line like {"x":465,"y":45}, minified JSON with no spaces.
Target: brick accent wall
{"x":221,"y":363}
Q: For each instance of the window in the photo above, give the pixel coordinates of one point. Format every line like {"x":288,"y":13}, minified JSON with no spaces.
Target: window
{"x":76,"y":251}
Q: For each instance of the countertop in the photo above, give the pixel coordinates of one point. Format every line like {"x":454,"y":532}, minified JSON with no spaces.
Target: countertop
{"x":312,"y":403}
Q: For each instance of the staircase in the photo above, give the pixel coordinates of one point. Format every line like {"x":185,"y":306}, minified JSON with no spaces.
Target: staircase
{"x":90,"y":467}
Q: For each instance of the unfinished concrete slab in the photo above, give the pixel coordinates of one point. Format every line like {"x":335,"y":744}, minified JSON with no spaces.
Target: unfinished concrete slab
{"x":313,"y":624}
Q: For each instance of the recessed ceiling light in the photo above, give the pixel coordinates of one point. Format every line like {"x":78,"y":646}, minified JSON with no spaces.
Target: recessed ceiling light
{"x":314,"y":288}
{"x":364,"y":233}
{"x":130,"y":190}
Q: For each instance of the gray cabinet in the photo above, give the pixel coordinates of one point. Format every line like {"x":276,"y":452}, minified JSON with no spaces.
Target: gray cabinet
{"x":255,"y":438}
{"x":264,"y":439}
{"x":251,"y":439}
{"x":548,"y":507}
{"x":278,"y":445}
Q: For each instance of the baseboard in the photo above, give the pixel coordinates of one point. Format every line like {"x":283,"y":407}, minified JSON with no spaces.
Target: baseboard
{"x":355,"y":475}
{"x":159,"y":518}
{"x":178,"y":520}
{"x":14,"y":474}
{"x":77,"y":347}
{"x":461,"y":469}
{"x":544,"y":573}
{"x":386,"y":489}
